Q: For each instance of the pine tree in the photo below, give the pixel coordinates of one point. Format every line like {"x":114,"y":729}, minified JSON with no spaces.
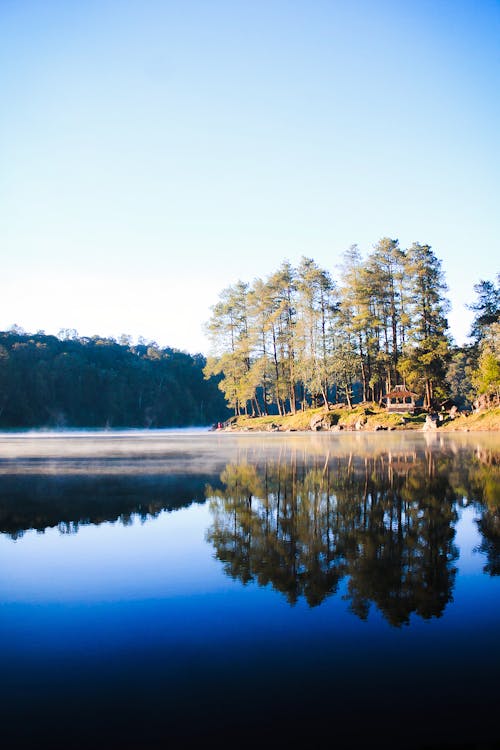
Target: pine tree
{"x":486,"y":307}
{"x":427,"y":351}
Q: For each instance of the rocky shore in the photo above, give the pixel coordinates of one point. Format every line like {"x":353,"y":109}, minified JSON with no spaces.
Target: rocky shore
{"x":366,"y":418}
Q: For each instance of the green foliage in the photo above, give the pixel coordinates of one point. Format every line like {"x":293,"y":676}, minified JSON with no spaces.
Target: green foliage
{"x":485,"y":368}
{"x":427,"y":352}
{"x":486,"y":308}
{"x":459,"y":375}
{"x":296,"y":340}
{"x":487,"y":376}
{"x":95,"y":382}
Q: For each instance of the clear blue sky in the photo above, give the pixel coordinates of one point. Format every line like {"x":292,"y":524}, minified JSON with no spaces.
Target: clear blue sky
{"x":153,"y":152}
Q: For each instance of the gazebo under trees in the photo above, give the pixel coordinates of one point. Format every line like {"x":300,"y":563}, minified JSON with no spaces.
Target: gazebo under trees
{"x":400,"y":399}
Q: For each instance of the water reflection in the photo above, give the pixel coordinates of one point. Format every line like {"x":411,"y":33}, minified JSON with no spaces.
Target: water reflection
{"x":128,"y":632}
{"x":72,"y":480}
{"x":484,"y":489}
{"x":68,"y":502}
{"x":384,"y":522}
{"x":301,"y":513}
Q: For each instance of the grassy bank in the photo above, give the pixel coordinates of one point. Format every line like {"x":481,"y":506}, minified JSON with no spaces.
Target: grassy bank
{"x":366,"y":417}
{"x":486,"y":420}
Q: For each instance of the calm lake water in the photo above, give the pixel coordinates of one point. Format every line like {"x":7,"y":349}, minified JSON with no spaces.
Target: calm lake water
{"x":165,"y":590}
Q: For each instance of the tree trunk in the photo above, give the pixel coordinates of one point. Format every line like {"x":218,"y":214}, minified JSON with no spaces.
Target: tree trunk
{"x":348,"y":397}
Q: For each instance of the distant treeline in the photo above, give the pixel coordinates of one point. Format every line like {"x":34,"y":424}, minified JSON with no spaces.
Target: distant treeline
{"x":301,"y":338}
{"x":72,"y":381}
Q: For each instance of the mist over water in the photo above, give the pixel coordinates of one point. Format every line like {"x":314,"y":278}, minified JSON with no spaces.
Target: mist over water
{"x":175,"y":586}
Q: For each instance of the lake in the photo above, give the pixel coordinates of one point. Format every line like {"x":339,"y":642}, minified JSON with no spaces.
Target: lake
{"x":170,"y":589}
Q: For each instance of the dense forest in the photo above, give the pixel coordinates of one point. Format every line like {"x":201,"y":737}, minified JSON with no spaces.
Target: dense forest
{"x":71,"y":381}
{"x":300,"y":338}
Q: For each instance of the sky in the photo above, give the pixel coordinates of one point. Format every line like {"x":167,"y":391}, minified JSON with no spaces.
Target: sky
{"x":152,"y":153}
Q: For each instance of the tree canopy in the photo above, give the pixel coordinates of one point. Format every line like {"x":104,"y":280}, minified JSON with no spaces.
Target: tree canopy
{"x":300,"y":338}
{"x":97,"y":382}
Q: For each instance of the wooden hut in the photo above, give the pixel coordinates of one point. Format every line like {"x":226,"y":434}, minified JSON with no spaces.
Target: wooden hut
{"x":400,"y":400}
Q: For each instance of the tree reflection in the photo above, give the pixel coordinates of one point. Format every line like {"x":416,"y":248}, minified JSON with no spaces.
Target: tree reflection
{"x":484,"y":488}
{"x":70,"y":502}
{"x":385,"y":522}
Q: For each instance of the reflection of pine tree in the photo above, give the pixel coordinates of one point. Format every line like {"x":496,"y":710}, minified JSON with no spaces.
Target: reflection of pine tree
{"x":489,"y":526}
{"x":403,"y":543}
{"x":281,"y":523}
{"x":301,"y":526}
{"x":484,"y":488}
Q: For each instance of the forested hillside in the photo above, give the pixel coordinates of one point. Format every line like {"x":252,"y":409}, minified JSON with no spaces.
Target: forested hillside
{"x":95,"y":382}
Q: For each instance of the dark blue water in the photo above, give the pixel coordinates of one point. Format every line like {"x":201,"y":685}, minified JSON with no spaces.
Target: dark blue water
{"x":169,"y":590}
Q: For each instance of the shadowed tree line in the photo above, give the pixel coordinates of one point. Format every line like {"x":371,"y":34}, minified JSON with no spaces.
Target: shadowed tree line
{"x":386,"y":524}
{"x":43,"y":501}
{"x":95,"y":382}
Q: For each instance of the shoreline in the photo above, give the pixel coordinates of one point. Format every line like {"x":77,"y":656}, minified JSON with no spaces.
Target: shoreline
{"x":364,"y":418}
